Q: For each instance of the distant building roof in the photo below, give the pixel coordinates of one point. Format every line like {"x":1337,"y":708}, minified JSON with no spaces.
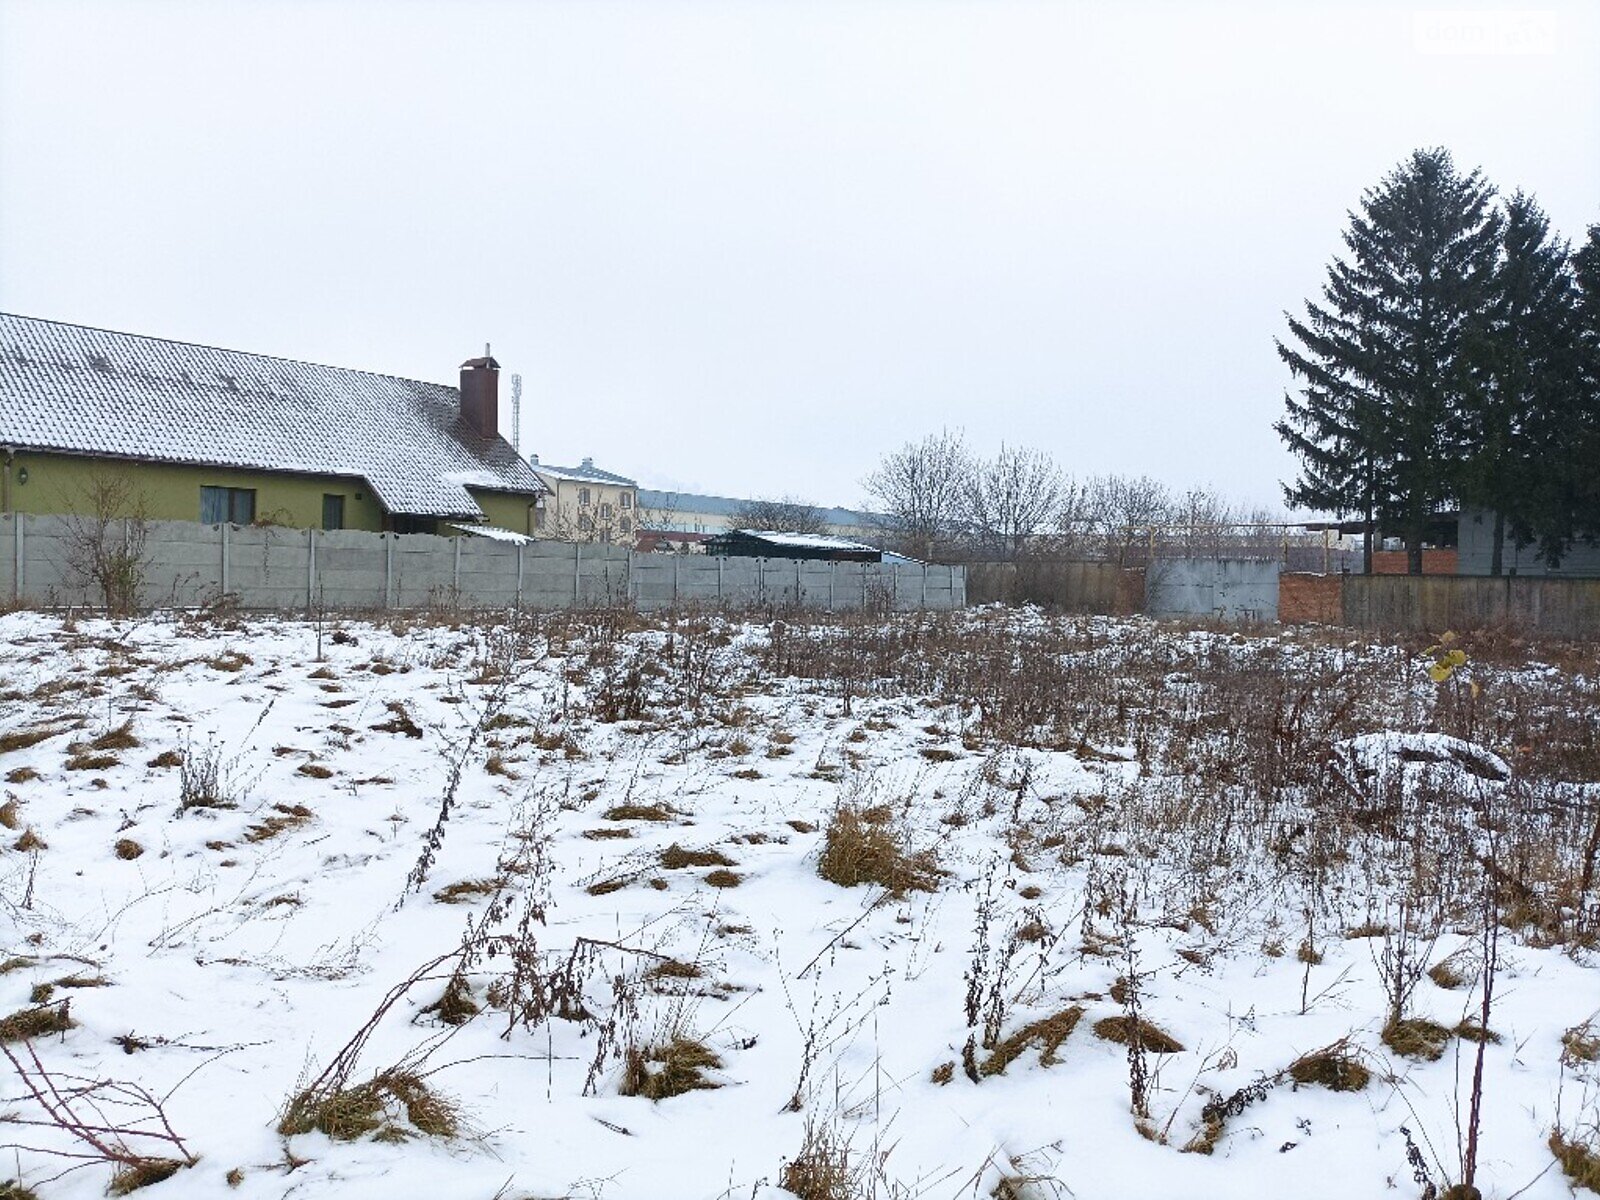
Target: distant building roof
{"x":79,"y":390}
{"x":587,"y":472}
{"x":781,"y":544}
{"x":728,"y":506}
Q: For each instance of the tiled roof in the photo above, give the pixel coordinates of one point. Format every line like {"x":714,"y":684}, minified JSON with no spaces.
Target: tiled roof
{"x":79,"y":390}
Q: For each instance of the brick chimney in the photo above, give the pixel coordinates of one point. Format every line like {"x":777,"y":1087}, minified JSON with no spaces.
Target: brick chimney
{"x":480,"y":394}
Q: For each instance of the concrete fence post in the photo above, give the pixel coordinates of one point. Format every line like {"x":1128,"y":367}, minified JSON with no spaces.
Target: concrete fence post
{"x":722,"y":599}
{"x":311,"y":568}
{"x":226,"y":526}
{"x":518,"y":602}
{"x":17,"y":520}
{"x":577,"y":574}
{"x":953,"y":603}
{"x":676,"y":563}
{"x":761,"y":581}
{"x":388,"y":568}
{"x":924,"y":585}
{"x":833,"y":583}
{"x":455,"y":570}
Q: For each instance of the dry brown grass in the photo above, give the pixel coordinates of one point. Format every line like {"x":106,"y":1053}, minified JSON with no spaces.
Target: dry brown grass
{"x":724,"y":878}
{"x":313,"y":770}
{"x":823,"y":1169}
{"x":10,"y":817}
{"x":1334,"y":1067}
{"x":167,"y":758}
{"x":1581,"y":1043}
{"x":90,"y":760}
{"x":21,"y":739}
{"x":1579,"y":1160}
{"x":120,"y":738}
{"x":675,"y":858}
{"x":1123,"y":1029}
{"x":467,"y":890}
{"x":130,"y":1177}
{"x":30,"y":840}
{"x":669,"y":1069}
{"x":638,"y":812}
{"x":281,"y":819}
{"x":1417,"y":1037}
{"x":36,"y":1022}
{"x":1047,"y":1033}
{"x":22,"y":775}
{"x":377,"y":1107}
{"x":859,"y":848}
{"x":127,"y":849}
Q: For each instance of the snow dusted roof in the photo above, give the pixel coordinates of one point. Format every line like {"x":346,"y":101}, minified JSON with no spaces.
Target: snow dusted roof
{"x":78,"y":390}
{"x":809,"y":541}
{"x":495,"y":534}
{"x":587,"y":473}
{"x":727,"y":506}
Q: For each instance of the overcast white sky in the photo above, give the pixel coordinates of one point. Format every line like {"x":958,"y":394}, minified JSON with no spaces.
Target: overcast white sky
{"x":749,"y":247}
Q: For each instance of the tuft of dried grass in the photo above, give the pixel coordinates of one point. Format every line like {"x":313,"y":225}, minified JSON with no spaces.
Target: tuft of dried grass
{"x":282,"y":818}
{"x":1334,"y":1067}
{"x":858,"y":848}
{"x":127,"y":849}
{"x":131,"y":1176}
{"x":21,"y":774}
{"x":823,"y":1169}
{"x":675,"y":858}
{"x":724,"y":878}
{"x":88,"y":760}
{"x":1580,"y":1044}
{"x":1047,"y":1032}
{"x":1580,"y":1162}
{"x":375,"y":1107}
{"x":1123,"y":1029}
{"x":167,"y":758}
{"x":21,"y":739}
{"x":314,"y":771}
{"x":638,"y":812}
{"x":30,"y":841}
{"x":10,"y":817}
{"x":467,"y":890}
{"x":399,"y":720}
{"x":120,"y":738}
{"x":669,"y":1069}
{"x":1416,"y":1037}
{"x":36,"y":1022}
{"x":457,"y":1005}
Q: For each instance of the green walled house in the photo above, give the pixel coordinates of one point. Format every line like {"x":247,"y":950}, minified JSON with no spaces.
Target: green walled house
{"x":201,"y":434}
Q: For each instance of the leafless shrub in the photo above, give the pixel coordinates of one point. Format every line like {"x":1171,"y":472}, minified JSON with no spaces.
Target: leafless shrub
{"x":112,"y":1122}
{"x":105,"y":542}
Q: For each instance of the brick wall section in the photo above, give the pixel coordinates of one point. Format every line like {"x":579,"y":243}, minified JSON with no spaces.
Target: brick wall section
{"x":1434,"y":562}
{"x":1315,"y":598}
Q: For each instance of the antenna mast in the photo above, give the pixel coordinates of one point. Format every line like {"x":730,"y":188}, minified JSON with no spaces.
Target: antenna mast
{"x":516,"y":413}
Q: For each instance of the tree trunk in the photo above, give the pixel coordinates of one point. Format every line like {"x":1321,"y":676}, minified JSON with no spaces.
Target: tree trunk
{"x":1414,"y":550}
{"x":1366,"y":546}
{"x":1497,"y":559}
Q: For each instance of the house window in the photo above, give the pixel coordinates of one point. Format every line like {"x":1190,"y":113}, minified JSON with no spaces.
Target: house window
{"x":403,"y":524}
{"x":583,"y":495}
{"x":332,"y":511}
{"x":223,"y":505}
{"x":625,"y":525}
{"x":605,"y":512}
{"x":586,"y":523}
{"x":627,"y":499}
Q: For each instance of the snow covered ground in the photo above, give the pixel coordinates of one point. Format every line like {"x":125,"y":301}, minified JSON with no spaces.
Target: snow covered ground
{"x":222,"y":955}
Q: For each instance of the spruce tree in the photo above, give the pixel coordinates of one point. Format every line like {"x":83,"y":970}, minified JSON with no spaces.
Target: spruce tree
{"x":1385,"y":359}
{"x":1516,"y":429}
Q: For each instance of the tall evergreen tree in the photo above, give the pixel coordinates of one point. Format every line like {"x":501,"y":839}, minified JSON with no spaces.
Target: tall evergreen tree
{"x":1385,"y":359}
{"x":1584,"y":457}
{"x":1516,"y":431}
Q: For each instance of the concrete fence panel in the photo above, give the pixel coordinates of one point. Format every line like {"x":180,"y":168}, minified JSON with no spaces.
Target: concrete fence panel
{"x":1232,"y":589}
{"x":267,"y":567}
{"x":1568,"y":608}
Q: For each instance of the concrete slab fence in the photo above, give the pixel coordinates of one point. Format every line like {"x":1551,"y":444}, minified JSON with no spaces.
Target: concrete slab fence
{"x":266,"y":567}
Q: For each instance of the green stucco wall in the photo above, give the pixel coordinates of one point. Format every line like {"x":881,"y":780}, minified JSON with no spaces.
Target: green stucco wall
{"x":171,"y":492}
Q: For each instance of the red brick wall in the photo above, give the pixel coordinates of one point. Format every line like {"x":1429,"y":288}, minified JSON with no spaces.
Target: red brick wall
{"x":1434,"y":562}
{"x":1309,"y":598}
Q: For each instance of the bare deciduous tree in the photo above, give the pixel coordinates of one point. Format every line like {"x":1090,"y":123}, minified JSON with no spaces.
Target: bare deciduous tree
{"x":787,"y":514}
{"x":922,"y":490}
{"x":1012,"y":498}
{"x":105,"y":541}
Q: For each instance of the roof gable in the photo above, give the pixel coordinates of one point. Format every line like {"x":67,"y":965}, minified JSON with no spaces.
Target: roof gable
{"x":80,"y":390}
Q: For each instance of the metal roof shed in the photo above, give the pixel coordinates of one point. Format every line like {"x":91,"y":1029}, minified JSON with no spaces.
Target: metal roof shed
{"x":770,"y":543}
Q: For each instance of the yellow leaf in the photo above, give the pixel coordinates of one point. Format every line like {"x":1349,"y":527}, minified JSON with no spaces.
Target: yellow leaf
{"x":1439,"y":672}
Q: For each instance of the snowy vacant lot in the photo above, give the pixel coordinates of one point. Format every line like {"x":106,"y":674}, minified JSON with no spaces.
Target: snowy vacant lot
{"x":988,"y":904}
